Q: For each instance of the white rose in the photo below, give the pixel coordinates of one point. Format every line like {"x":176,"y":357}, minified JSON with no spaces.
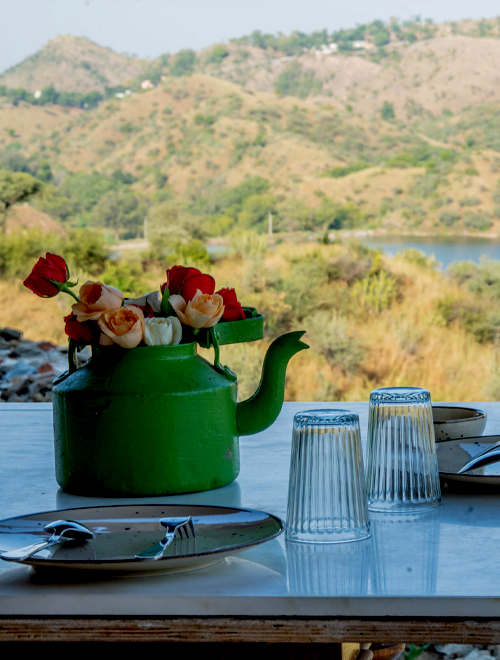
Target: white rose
{"x":162,"y":332}
{"x":152,"y":299}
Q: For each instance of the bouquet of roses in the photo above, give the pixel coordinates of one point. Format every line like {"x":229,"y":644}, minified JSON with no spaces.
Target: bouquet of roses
{"x":102,"y":315}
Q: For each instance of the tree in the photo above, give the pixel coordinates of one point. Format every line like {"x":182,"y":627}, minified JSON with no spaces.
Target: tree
{"x":387,"y":111}
{"x":184,"y":62}
{"x":15,"y":187}
{"x":120,"y":211}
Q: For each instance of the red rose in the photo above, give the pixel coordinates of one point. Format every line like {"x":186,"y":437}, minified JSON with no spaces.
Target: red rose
{"x":233,"y":311}
{"x":85,"y":332}
{"x":176,"y":277}
{"x":185,"y":282}
{"x":46,"y":271}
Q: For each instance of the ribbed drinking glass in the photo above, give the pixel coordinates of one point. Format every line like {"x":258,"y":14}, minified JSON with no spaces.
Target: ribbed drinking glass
{"x":402,"y":469}
{"x":327,"y":496}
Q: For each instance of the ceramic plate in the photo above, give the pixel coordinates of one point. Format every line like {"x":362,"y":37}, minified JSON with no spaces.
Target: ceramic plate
{"x":452,"y":422}
{"x":122,"y":531}
{"x":454,"y":454}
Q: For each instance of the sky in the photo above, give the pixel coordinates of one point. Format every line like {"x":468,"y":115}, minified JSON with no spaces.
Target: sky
{"x":148,"y":28}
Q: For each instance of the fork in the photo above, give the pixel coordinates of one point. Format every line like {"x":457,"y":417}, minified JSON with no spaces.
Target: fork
{"x":180,"y":534}
{"x":489,"y":455}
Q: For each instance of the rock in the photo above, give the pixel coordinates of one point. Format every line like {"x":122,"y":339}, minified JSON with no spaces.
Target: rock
{"x":22,"y":368}
{"x":28,"y":368}
{"x":9,"y":334}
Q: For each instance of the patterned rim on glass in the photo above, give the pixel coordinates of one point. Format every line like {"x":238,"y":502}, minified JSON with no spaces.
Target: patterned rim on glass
{"x":326,"y":418}
{"x":400,"y":395}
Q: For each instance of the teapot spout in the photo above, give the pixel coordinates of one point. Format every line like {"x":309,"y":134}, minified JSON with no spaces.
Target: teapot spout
{"x":260,"y":410}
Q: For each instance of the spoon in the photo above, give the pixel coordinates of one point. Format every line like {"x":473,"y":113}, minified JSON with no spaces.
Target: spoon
{"x":489,"y":455}
{"x":62,"y":530}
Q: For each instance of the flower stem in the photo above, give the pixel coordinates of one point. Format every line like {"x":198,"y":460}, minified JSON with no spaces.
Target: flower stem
{"x":66,"y":289}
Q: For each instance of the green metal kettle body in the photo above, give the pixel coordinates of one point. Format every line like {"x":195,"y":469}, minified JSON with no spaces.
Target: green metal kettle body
{"x":159,"y":420}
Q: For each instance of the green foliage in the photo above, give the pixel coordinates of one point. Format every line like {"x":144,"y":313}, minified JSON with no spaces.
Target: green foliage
{"x":85,"y":190}
{"x":333,"y":215}
{"x":126,"y":276}
{"x":330,"y":335}
{"x":480,"y":221}
{"x":255,"y":212}
{"x":295,"y":81}
{"x":204,"y":120}
{"x":217,"y":54}
{"x":469,"y":201}
{"x":82,"y":250}
{"x":377,"y":292}
{"x":340,"y":171}
{"x":184,"y":63}
{"x":387,"y":111}
{"x":381,"y":37}
{"x":419,"y":258}
{"x":449,"y":218}
{"x":50,"y":96}
{"x":120,"y":211}
{"x":482,"y":279}
{"x":15,"y":187}
{"x":482,"y":322}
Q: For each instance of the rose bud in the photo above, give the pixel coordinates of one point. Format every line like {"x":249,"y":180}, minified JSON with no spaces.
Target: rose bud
{"x":233,"y":311}
{"x":95,"y":299}
{"x":162,"y":332}
{"x":203,"y":311}
{"x":84,"y":333}
{"x":45,"y":272}
{"x":123,"y":326}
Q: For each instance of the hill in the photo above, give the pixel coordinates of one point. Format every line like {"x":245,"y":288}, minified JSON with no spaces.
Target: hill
{"x":73,"y":64}
{"x":399,"y":137}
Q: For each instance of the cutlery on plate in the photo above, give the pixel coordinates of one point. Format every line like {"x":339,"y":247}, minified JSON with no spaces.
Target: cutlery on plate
{"x":180,"y":533}
{"x":62,"y":530}
{"x":489,"y":455}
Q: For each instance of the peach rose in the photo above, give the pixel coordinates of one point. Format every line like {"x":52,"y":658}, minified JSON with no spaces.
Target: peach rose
{"x":123,"y":326}
{"x":203,"y":311}
{"x":95,"y":299}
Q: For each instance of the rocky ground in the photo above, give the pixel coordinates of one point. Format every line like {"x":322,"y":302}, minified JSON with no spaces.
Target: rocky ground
{"x":27,"y":368}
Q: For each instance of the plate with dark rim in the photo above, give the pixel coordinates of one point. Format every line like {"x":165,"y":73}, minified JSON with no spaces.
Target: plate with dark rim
{"x":124,"y":530}
{"x":452,"y":455}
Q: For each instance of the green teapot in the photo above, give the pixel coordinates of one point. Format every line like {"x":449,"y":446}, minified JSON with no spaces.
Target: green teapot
{"x":161,"y":420}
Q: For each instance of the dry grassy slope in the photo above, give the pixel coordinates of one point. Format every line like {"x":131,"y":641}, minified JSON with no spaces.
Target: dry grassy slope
{"x":73,"y":64}
{"x":449,"y":71}
{"x":23,"y":217}
{"x":134,"y":134}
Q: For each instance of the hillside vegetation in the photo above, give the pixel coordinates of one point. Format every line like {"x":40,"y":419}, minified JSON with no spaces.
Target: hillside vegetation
{"x":383,"y":128}
{"x":399,"y":136}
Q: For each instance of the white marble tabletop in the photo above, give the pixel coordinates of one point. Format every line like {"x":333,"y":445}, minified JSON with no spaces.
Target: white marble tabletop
{"x":445,"y":564}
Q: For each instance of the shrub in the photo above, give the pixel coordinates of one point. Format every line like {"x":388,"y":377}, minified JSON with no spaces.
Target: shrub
{"x":469,"y":201}
{"x":449,"y":218}
{"x":340,"y":171}
{"x":184,"y":63}
{"x":217,"y":54}
{"x":480,"y":221}
{"x":294,"y":81}
{"x":331,"y":336}
{"x":387,"y":111}
{"x":376,"y":293}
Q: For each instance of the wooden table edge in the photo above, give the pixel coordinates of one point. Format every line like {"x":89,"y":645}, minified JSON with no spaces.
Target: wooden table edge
{"x":296,"y":630}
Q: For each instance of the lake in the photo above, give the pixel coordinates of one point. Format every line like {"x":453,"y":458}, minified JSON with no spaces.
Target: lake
{"x":444,"y":249}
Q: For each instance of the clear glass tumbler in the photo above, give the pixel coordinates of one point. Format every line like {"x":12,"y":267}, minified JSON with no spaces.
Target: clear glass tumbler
{"x":327,"y":496}
{"x":402,"y":469}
